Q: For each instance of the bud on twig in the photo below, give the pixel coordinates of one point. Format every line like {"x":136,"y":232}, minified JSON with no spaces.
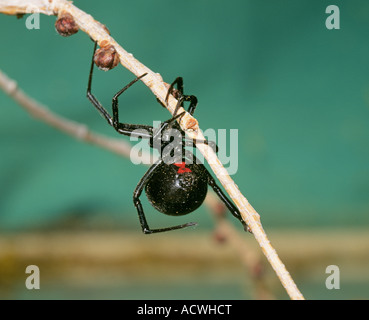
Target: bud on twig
{"x":106,"y":58}
{"x":65,"y":25}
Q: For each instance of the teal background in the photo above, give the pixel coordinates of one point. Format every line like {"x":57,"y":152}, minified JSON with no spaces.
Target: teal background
{"x":297,"y":92}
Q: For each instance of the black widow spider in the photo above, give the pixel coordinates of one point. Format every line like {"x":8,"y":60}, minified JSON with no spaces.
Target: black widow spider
{"x":173,"y":185}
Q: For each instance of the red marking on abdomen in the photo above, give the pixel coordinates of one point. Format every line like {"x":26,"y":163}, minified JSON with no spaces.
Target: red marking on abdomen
{"x":182,"y":167}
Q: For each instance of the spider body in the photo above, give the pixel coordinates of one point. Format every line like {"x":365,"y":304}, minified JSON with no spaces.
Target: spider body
{"x":175,"y":185}
{"x":177,"y":189}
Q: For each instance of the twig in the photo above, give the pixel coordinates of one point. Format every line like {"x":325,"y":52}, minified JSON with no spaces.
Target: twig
{"x":189,"y":124}
{"x":225,"y":232}
{"x":65,"y":125}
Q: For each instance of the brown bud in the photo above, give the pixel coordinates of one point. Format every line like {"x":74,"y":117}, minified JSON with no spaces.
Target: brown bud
{"x":65,"y":25}
{"x":106,"y":58}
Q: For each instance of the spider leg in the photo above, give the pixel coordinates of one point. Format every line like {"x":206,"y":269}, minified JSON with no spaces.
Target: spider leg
{"x":141,"y":215}
{"x":231,"y":207}
{"x":92,"y":98}
{"x":211,"y":144}
{"x":125,"y":128}
{"x":178,"y":94}
{"x":140,"y":131}
{"x":179,"y":82}
{"x":165,"y":124}
{"x":193,"y":103}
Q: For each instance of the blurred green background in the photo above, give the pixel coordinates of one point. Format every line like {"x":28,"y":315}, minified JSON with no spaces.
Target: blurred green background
{"x":297,"y":92}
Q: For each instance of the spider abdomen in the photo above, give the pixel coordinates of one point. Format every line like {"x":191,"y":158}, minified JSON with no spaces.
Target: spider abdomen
{"x":177,"y":189}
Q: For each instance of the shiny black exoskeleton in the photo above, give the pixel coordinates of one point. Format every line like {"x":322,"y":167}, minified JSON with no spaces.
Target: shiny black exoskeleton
{"x":177,"y":189}
{"x":175,"y":185}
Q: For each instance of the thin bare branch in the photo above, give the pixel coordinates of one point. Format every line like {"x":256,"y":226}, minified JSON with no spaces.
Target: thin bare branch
{"x":65,"y":125}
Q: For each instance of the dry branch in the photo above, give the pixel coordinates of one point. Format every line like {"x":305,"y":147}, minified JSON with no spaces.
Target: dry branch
{"x":65,"y":125}
{"x":154,"y":81}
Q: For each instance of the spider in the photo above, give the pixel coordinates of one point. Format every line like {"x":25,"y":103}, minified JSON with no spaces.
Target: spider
{"x":174,"y":185}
